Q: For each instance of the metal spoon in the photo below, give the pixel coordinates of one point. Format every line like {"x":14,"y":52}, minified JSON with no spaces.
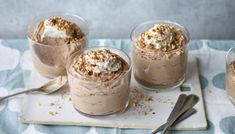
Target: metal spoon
{"x":181,"y":118}
{"x":190,"y":102}
{"x":48,"y":88}
{"x":178,"y":105}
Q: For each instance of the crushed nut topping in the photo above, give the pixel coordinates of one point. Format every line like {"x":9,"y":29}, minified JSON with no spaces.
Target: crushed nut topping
{"x":97,"y":62}
{"x":163,"y":37}
{"x":57,"y":27}
{"x":60,"y":23}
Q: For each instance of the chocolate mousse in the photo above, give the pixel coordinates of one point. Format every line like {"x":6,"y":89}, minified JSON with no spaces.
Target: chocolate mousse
{"x":51,"y":42}
{"x":159,"y":56}
{"x":99,"y":81}
{"x":230,"y":81}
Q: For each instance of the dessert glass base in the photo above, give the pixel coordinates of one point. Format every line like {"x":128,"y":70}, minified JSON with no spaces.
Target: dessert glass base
{"x":150,"y":86}
{"x":46,"y":70}
{"x":112,"y":114}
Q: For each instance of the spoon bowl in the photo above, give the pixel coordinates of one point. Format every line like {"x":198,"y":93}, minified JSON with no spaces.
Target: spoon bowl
{"x":48,"y":88}
{"x":53,"y":85}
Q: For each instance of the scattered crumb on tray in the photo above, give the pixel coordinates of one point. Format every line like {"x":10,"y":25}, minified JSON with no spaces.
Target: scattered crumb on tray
{"x":51,"y":104}
{"x":52,"y":113}
{"x":56,"y":105}
{"x":141,"y":102}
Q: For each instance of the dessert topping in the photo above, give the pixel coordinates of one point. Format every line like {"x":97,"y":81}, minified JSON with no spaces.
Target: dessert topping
{"x":98,"y":61}
{"x":57,"y":27}
{"x":164,"y":37}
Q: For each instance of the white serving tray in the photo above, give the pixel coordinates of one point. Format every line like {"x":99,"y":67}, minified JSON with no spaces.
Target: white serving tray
{"x":56,"y":109}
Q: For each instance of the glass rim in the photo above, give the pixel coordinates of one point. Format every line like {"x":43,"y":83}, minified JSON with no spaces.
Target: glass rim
{"x":51,"y":14}
{"x":187,"y":34}
{"x":46,"y":45}
{"x":99,"y":47}
{"x":184,"y":30}
{"x":227,"y":54}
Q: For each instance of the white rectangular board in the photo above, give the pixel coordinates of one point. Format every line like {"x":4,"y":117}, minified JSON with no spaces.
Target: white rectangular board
{"x":56,"y":109}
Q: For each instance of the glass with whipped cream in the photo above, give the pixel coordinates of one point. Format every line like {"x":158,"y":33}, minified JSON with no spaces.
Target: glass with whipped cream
{"x":99,"y":80}
{"x":52,"y":38}
{"x":230,"y":74}
{"x":159,"y":54}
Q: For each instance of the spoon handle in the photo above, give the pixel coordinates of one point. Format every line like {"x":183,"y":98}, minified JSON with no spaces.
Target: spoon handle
{"x":18,"y":93}
{"x":190,"y":102}
{"x":178,"y":105}
{"x":181,"y":118}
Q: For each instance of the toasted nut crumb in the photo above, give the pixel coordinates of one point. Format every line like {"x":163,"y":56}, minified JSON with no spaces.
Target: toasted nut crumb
{"x":51,"y":113}
{"x":52,"y":104}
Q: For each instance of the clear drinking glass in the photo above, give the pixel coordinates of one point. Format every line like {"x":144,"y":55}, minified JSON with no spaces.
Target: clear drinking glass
{"x":50,"y":60}
{"x":230,"y":74}
{"x":95,"y":97}
{"x":156,"y":69}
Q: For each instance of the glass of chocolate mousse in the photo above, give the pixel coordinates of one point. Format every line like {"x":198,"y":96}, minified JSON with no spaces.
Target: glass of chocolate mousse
{"x":159,"y":54}
{"x":52,"y":38}
{"x":230,"y":74}
{"x":99,"y":80}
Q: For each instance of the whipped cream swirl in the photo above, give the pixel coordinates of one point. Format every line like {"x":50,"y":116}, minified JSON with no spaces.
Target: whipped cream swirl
{"x":53,"y":30}
{"x":158,"y":36}
{"x":99,"y":61}
{"x":164,"y":37}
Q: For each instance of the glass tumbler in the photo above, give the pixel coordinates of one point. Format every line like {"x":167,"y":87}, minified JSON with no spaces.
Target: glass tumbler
{"x":50,"y":60}
{"x":94,"y":97}
{"x":157,"y":69}
{"x":230,"y":74}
